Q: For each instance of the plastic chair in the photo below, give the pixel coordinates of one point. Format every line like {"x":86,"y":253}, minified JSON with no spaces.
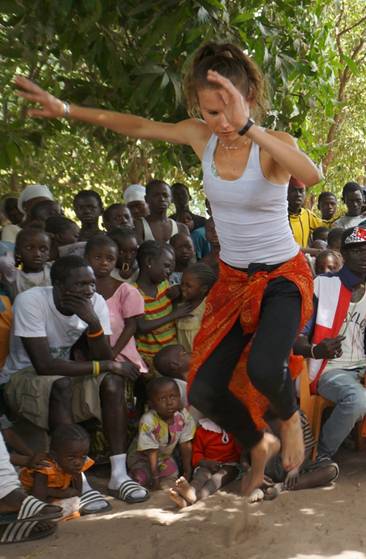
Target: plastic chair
{"x":313,"y":405}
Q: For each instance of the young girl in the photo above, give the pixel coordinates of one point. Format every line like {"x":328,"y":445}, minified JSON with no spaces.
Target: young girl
{"x":216,"y":462}
{"x":62,"y":476}
{"x":161,"y":429}
{"x":327,"y":261}
{"x":127,"y":268}
{"x":184,"y":256}
{"x":157,"y":327}
{"x":264,"y":293}
{"x":64,"y":235}
{"x":124,"y":302}
{"x":32,"y":250}
{"x":196,"y":283}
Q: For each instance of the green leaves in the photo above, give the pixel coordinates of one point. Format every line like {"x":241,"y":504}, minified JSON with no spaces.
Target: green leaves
{"x":130,"y":56}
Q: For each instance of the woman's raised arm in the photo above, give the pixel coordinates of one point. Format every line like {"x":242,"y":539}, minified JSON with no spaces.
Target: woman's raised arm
{"x":183,"y":132}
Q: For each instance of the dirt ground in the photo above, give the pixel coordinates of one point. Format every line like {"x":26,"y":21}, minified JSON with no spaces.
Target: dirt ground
{"x":315,"y":524}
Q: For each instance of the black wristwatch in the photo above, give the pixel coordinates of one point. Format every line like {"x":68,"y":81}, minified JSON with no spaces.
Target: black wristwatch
{"x":246,"y":127}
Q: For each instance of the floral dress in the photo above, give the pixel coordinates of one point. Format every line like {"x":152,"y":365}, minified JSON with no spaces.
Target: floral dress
{"x":157,"y":434}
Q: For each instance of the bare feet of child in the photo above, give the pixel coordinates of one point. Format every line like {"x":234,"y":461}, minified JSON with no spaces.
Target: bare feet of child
{"x":293,"y":452}
{"x":186,"y":490}
{"x":267,"y":447}
{"x":177,"y":499}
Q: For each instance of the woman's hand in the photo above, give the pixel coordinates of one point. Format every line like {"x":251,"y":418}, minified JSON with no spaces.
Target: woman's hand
{"x":236,"y":107}
{"x":51,"y":106}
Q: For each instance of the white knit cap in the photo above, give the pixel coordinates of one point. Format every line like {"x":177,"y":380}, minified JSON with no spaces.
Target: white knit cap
{"x":134,"y":193}
{"x":33,"y":191}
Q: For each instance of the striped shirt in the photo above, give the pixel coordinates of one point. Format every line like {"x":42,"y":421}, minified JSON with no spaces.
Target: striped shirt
{"x":150,"y":343}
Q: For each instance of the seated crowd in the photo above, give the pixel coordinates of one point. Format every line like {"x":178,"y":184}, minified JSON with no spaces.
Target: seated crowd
{"x":97,"y":325}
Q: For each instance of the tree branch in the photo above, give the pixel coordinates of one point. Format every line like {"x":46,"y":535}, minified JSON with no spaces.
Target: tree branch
{"x":349,"y":28}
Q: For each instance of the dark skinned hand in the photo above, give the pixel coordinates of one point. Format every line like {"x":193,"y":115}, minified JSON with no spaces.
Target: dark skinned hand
{"x":329,"y":348}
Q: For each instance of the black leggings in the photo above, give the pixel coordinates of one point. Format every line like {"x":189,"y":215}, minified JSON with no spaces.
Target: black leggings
{"x":267,"y":365}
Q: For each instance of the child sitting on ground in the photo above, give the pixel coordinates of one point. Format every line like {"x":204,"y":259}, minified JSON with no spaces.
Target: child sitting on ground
{"x":127,"y":268}
{"x":173,"y":361}
{"x":164,"y":427}
{"x":62,"y":477}
{"x":196,"y":282}
{"x":308,"y":475}
{"x":117,"y":215}
{"x":64,"y":234}
{"x":31,"y":253}
{"x":216,"y":462}
{"x":125,"y":304}
{"x":156,"y":328}
{"x":184,"y":256}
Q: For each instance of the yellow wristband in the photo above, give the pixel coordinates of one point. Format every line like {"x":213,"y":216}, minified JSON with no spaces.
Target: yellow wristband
{"x":96,"y":368}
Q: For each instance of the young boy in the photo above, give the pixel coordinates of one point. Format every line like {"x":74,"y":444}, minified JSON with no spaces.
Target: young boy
{"x":62,"y":475}
{"x":117,"y":215}
{"x":173,"y":361}
{"x":184,"y":256}
{"x":88,"y":207}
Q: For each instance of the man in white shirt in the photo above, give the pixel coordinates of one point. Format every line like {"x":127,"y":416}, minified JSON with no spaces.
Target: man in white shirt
{"x":334,"y":342}
{"x":45,"y":386}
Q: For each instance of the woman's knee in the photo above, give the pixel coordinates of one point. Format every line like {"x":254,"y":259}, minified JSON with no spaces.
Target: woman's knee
{"x":263,"y":368}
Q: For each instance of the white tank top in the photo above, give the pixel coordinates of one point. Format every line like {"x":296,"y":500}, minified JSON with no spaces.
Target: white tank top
{"x":148,"y":234}
{"x":250,"y":213}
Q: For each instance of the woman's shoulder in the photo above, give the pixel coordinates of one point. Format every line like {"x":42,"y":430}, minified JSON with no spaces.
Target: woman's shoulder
{"x":198,"y":133}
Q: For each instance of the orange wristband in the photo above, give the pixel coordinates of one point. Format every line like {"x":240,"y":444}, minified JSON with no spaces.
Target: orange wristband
{"x":95,"y":334}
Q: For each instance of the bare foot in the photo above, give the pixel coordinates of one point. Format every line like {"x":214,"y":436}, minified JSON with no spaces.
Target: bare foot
{"x":256,"y":496}
{"x":178,"y":500}
{"x":263,"y":451}
{"x":186,"y":490}
{"x":292,"y":439}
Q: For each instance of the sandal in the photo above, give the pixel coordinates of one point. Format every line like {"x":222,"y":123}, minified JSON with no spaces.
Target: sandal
{"x":90,"y":497}
{"x":126,"y":490}
{"x":26,"y":531}
{"x":32,"y":509}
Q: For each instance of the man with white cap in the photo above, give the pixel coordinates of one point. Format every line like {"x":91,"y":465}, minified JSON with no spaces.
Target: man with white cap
{"x":335,"y":342}
{"x":29,"y":197}
{"x":134,"y":197}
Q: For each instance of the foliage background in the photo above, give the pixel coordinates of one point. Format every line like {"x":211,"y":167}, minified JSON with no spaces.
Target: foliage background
{"x":129,"y":56}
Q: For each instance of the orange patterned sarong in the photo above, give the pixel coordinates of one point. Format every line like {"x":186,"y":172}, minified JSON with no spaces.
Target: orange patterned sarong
{"x":236,"y":295}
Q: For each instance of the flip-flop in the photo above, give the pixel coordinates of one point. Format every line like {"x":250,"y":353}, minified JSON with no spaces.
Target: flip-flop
{"x":90,"y":497}
{"x":26,"y":531}
{"x":31,"y":510}
{"x":126,"y":490}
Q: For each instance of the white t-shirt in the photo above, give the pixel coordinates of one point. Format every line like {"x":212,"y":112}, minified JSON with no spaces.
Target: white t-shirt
{"x":353,"y":347}
{"x":35,"y":316}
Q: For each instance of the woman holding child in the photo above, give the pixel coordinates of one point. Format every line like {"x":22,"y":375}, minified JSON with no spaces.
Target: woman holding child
{"x":264,"y":292}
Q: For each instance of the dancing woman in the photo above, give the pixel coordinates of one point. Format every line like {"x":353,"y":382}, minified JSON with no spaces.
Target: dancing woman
{"x":264,"y":293}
